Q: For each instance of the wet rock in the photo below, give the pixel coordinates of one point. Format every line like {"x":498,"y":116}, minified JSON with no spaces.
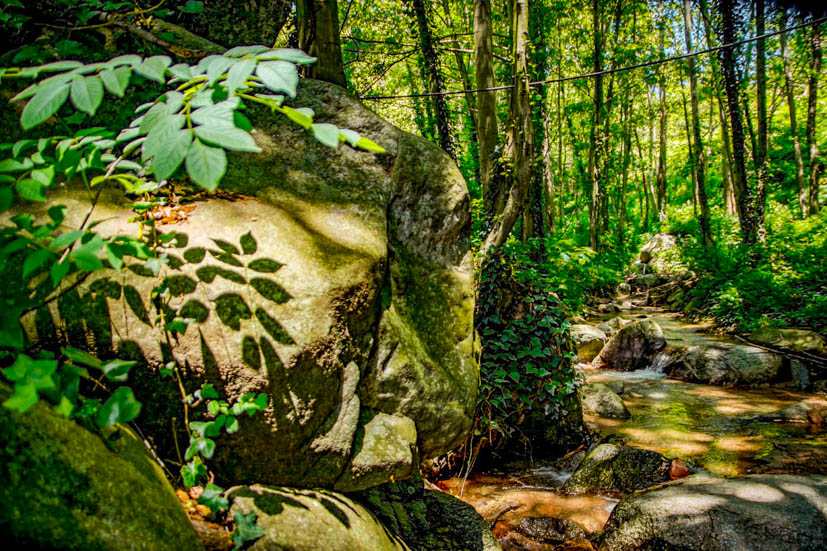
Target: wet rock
{"x":626,"y":305}
{"x":678,"y":469}
{"x":64,"y":487}
{"x":612,"y":468}
{"x":551,"y":530}
{"x":598,"y":399}
{"x":797,"y":340}
{"x":577,"y":320}
{"x":608,"y":308}
{"x":427,"y":520}
{"x":613,"y":325}
{"x":633,"y":347}
{"x":647,"y":280}
{"x":754,"y":513}
{"x":721,"y":364}
{"x":802,"y":412}
{"x":657,"y":244}
{"x":800,"y":375}
{"x":618,"y":387}
{"x":623,"y":288}
{"x":589,"y":340}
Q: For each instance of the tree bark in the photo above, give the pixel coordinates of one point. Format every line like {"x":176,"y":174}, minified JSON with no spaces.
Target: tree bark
{"x":426,"y":42}
{"x":812,"y":108}
{"x":319,"y":36}
{"x":520,"y":130}
{"x":746,"y":212}
{"x":487,"y":131}
{"x":239,"y":23}
{"x":662,"y":119}
{"x":594,"y":145}
{"x":761,"y":150}
{"x":800,"y":178}
{"x":698,"y":160}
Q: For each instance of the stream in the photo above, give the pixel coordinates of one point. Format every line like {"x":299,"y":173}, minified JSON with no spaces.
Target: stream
{"x":711,"y":428}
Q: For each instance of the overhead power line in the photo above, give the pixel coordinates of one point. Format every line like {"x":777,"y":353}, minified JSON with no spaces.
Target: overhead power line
{"x":607,"y":71}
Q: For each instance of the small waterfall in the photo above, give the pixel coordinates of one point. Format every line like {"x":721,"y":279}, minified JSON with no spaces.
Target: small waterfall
{"x":662,"y":361}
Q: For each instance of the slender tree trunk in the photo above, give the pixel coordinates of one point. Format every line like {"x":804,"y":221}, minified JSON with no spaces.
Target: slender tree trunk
{"x":693,"y":187}
{"x":746,"y":213}
{"x":626,"y":153}
{"x":426,"y":42}
{"x":729,"y":184}
{"x":421,"y":116}
{"x":533,"y":226}
{"x":800,"y":178}
{"x":594,"y":145}
{"x":698,"y":146}
{"x":812,"y":107}
{"x":520,"y":129}
{"x":319,"y":36}
{"x":661,"y":177}
{"x":487,"y":131}
{"x":761,"y":156}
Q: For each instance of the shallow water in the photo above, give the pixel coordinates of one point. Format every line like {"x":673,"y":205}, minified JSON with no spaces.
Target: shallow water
{"x":712,"y":427}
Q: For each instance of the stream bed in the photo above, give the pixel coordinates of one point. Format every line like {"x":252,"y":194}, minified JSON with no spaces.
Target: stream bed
{"x":711,"y":428}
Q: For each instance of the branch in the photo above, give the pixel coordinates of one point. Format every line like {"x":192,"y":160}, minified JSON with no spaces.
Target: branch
{"x":203,"y":49}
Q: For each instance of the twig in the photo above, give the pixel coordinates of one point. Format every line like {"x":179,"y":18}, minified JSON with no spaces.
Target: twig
{"x":800,"y":356}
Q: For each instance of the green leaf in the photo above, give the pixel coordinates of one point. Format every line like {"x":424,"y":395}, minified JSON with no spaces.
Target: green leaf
{"x":57,"y":66}
{"x":228,"y":137}
{"x":299,"y":117}
{"x":44,"y":104}
{"x":193,"y":471}
{"x":21,"y":145}
{"x":6,"y":198}
{"x":170,"y":157}
{"x":13,"y":165}
{"x":85,"y":257}
{"x":182,"y":71}
{"x":289,"y":54}
{"x":208,"y":392}
{"x":369,"y":145}
{"x":44,"y":175}
{"x":279,"y":76}
{"x":213,"y":497}
{"x":213,"y":407}
{"x":154,"y":116}
{"x":87,"y":93}
{"x":204,"y":446}
{"x":162,"y":134}
{"x":326,"y":133}
{"x":349,"y":136}
{"x":193,"y":7}
{"x":153,"y":67}
{"x":121,"y":407}
{"x":239,"y":73}
{"x":129,"y":59}
{"x":216,"y":66}
{"x":206,"y":165}
{"x":246,"y":529}
{"x":81,"y":357}
{"x":65,"y":407}
{"x":116,"y":80}
{"x":117,"y":370}
{"x":35,"y":261}
{"x":240,"y":51}
{"x":231,"y":424}
{"x":31,"y":190}
{"x":59,"y":271}
{"x":218,"y":114}
{"x":24,"y":397}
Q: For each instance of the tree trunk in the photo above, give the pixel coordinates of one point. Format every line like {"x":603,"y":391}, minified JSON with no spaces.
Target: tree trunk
{"x":521,"y":131}
{"x":746,"y":213}
{"x":594,"y":145}
{"x":800,"y":179}
{"x":761,"y":151}
{"x":698,"y":158}
{"x":729,"y":184}
{"x":487,"y":132}
{"x":426,"y":42}
{"x":661,"y":177}
{"x":812,"y":107}
{"x":319,"y":36}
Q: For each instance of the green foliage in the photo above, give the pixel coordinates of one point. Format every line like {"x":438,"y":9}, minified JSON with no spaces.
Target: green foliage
{"x":525,"y":363}
{"x":246,"y":529}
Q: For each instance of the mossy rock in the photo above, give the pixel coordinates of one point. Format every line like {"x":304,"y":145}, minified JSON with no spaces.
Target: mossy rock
{"x":65,"y":487}
{"x":618,"y":469}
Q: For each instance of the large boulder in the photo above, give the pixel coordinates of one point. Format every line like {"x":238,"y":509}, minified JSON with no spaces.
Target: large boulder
{"x":659,"y":243}
{"x":722,"y":363}
{"x":612,"y":326}
{"x":65,"y":487}
{"x":589,"y":340}
{"x":618,"y":469}
{"x":633,"y":347}
{"x":797,"y":340}
{"x":428,"y":520}
{"x":754,"y":513}
{"x":598,"y":399}
{"x":310,"y":520}
{"x":338,"y":282}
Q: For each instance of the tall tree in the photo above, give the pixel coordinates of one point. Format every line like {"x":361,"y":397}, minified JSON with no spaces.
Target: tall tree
{"x":746,"y":212}
{"x":429,"y":55}
{"x":761,"y":150}
{"x":698,"y":160}
{"x":520,"y":129}
{"x":487,"y":132}
{"x":319,"y":36}
{"x":597,"y":117}
{"x":812,"y":108}
{"x":789,"y":91}
{"x":662,"y":120}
